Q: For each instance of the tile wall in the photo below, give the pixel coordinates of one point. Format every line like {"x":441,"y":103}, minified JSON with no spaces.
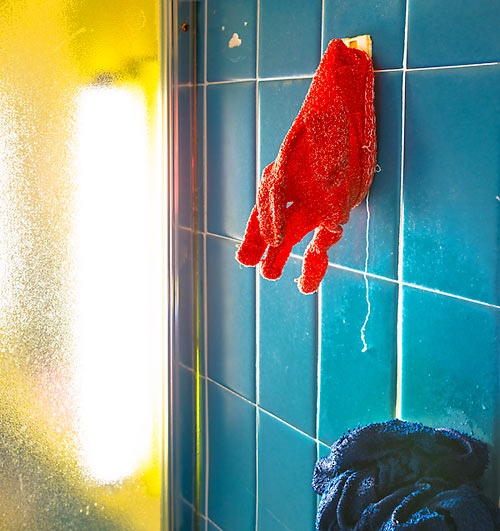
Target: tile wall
{"x":415,"y":277}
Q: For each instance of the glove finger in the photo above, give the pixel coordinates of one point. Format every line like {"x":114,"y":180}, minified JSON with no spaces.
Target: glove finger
{"x":316,"y":259}
{"x":253,"y":246}
{"x":299,"y":222}
{"x":271,"y":201}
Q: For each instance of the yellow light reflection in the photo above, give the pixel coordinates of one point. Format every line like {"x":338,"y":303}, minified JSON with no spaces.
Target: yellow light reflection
{"x":116,"y":269}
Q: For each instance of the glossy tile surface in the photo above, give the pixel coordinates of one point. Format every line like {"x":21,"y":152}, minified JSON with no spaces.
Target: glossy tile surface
{"x":231,"y":500}
{"x":185,"y":438}
{"x":451,"y":366}
{"x":452,"y":211}
{"x":384,"y":21}
{"x":356,"y":386}
{"x":190,"y":340}
{"x":230,"y":157}
{"x":230,"y":318}
{"x":286,"y":462}
{"x":191,"y":40}
{"x":231,"y":56}
{"x":187,"y":165}
{"x":287,"y":353}
{"x":383,"y":201}
{"x":440,"y":33}
{"x":284,"y":51}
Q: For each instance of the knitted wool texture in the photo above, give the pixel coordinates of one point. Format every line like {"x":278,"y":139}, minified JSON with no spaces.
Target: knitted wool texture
{"x":397,"y":475}
{"x":324,"y":168}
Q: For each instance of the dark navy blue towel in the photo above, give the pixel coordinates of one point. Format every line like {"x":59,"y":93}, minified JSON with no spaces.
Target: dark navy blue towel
{"x":400,"y":475}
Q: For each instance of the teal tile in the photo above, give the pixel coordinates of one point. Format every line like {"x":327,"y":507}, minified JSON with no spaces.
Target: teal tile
{"x":356,"y":387}
{"x":190,"y":43}
{"x":232,"y":487}
{"x":230,"y":157}
{"x":383,"y":235}
{"x":279,"y":104}
{"x":451,"y":367}
{"x":183,"y":517}
{"x":226,"y":57}
{"x":284,"y":51}
{"x":188,"y":199}
{"x":286,"y":464}
{"x":288,"y":350}
{"x":185,"y":439}
{"x":452,"y":211}
{"x":190,"y":342}
{"x":384,"y":21}
{"x":457,"y":33}
{"x":230,"y":318}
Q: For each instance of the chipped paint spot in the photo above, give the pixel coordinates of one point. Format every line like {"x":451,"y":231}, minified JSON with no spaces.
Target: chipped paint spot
{"x":235,"y":41}
{"x":245,"y":23}
{"x":223,"y":28}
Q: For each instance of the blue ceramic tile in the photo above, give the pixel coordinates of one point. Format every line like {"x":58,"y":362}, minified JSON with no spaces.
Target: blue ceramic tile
{"x":230,"y":318}
{"x":450,"y":367}
{"x":384,"y":21}
{"x":356,"y":387}
{"x":231,"y":489}
{"x":384,"y":192}
{"x":183,"y":517}
{"x":279,"y":104}
{"x":190,"y":339}
{"x":230,"y":157}
{"x":186,"y":198}
{"x":287,"y":350}
{"x":192,"y":14}
{"x":231,"y":56}
{"x":457,"y":33}
{"x":286,"y":464}
{"x":452,"y":211}
{"x":185,"y":439}
{"x":284,"y":51}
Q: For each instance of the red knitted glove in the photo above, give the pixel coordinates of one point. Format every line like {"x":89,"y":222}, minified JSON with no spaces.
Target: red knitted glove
{"x":324,"y":168}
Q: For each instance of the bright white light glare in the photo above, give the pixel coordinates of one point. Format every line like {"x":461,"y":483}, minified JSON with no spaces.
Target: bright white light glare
{"x":115,"y":274}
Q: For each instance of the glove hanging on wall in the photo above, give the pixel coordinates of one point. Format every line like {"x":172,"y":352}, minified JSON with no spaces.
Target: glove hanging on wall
{"x":324,"y":168}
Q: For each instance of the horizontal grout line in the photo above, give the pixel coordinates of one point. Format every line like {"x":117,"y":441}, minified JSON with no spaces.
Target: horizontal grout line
{"x":417,"y":69}
{"x":261,"y":79}
{"x":259,"y":407}
{"x":204,"y":516}
{"x":459,"y":297}
{"x":371,"y":275}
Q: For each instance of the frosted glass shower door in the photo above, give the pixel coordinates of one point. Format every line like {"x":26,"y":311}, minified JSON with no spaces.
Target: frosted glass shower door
{"x":80,"y":265}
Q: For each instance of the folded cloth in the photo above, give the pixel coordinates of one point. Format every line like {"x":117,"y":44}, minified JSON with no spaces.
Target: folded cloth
{"x":399,"y":475}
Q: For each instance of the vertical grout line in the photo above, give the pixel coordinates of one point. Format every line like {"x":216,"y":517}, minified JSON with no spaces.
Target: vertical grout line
{"x":319,"y":308}
{"x":322,"y":40}
{"x":205,"y":325}
{"x":399,"y":346}
{"x":257,"y":277}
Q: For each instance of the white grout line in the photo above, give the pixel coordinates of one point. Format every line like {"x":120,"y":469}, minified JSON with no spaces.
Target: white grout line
{"x":368,"y":274}
{"x":205,"y":325}
{"x":459,"y":297}
{"x":260,"y":408}
{"x":309,"y":76}
{"x":322,"y":39}
{"x":399,"y":326}
{"x":417,"y":69}
{"x":191,"y":506}
{"x":230,"y":238}
{"x":257,"y":279}
{"x":319,"y":309}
